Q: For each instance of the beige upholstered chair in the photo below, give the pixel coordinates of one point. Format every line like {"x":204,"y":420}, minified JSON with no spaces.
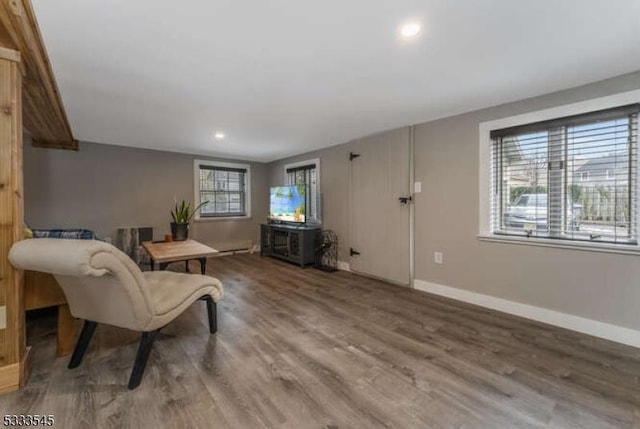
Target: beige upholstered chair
{"x":103,"y":285}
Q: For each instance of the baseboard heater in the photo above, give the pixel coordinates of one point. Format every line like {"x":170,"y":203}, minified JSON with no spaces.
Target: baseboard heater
{"x":234,"y":247}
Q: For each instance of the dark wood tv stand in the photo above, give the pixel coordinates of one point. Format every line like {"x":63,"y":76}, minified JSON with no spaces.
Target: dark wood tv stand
{"x":293,"y":243}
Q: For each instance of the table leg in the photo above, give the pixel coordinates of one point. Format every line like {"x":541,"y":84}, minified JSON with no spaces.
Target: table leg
{"x":186,"y":266}
{"x":153,"y":264}
{"x":203,"y":266}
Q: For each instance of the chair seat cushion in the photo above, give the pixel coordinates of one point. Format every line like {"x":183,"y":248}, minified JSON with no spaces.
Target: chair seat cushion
{"x":170,"y":290}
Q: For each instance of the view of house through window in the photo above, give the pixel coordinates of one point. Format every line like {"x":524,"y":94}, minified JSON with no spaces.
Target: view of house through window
{"x":306,"y":175}
{"x":573,"y":178}
{"x":224,"y":188}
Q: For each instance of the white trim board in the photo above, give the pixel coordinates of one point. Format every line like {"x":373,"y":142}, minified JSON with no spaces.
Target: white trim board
{"x":314,"y":161}
{"x":607,"y":331}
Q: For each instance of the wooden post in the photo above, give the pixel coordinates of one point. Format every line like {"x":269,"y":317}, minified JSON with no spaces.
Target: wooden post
{"x":14,"y":362}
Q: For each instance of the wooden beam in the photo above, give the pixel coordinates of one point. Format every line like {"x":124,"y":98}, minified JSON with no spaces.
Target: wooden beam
{"x":44,"y":114}
{"x":9,"y":54}
{"x":5,"y":39}
{"x":67,"y":329}
{"x":13,"y":357}
{"x":15,"y":376}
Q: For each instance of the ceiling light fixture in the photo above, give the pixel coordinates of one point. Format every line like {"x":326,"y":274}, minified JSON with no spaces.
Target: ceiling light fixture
{"x":219,"y":136}
{"x":410,"y":30}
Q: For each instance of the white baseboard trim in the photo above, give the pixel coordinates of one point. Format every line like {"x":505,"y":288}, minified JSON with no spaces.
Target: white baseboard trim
{"x":344,"y":266}
{"x":607,"y":331}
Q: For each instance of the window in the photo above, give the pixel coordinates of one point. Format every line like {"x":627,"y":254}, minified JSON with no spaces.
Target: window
{"x":610,"y":174}
{"x":306,"y":173}
{"x":571,"y":178}
{"x":225,"y":187}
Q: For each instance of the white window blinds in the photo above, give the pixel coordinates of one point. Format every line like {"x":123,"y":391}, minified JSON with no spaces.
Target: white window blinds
{"x":224,"y":189}
{"x":572,"y":178}
{"x":306,"y":175}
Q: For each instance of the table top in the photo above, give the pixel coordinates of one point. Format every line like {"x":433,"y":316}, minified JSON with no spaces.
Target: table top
{"x":171,"y":251}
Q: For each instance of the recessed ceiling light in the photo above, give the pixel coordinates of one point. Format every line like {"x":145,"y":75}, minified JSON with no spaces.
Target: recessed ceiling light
{"x":219,"y":136}
{"x":410,"y":30}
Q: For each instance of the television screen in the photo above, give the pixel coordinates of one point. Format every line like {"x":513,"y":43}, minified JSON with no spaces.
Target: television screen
{"x":288,"y":203}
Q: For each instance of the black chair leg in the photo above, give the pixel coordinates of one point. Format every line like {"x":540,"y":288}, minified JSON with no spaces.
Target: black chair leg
{"x":212,"y":310}
{"x":146,"y":342}
{"x":83,"y":343}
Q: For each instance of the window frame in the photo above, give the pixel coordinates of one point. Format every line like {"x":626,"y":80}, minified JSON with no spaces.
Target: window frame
{"x":316,"y":163}
{"x":610,"y":175}
{"x":197,"y":163}
{"x":485,"y":147}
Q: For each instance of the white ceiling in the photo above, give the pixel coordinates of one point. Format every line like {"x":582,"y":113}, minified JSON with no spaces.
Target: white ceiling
{"x":283,"y":77}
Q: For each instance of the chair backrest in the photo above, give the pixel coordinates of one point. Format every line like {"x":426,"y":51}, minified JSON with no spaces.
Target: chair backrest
{"x":100,"y":282}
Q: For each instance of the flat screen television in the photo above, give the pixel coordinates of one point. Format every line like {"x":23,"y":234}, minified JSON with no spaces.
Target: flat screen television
{"x":288,"y":203}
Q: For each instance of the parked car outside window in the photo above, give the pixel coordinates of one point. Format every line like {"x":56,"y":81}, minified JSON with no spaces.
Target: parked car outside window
{"x":529,"y":212}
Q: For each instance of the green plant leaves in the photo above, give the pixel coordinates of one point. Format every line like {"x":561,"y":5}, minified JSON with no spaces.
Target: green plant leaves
{"x":183,"y":213}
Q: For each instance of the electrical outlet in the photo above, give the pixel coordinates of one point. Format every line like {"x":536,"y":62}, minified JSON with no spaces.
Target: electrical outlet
{"x":437,"y":257}
{"x":417,"y":187}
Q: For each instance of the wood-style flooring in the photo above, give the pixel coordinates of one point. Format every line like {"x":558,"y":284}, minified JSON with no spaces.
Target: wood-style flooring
{"x":307,"y":349}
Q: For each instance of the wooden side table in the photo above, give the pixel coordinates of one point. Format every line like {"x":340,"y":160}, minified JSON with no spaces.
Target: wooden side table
{"x":165,"y":252}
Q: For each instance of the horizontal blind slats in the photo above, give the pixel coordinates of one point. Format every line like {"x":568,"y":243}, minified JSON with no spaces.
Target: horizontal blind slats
{"x":592,"y":117}
{"x":572,"y":178}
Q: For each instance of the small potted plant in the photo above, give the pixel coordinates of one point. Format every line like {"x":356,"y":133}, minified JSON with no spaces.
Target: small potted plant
{"x":182,"y":215}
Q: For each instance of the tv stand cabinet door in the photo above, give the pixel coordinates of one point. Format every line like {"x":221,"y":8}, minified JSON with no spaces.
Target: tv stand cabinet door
{"x":308,"y":256}
{"x":266,"y":240}
{"x":295,"y":242}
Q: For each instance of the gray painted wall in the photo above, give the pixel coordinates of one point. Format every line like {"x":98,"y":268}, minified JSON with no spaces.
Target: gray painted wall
{"x":598,"y":286}
{"x":103,"y":187}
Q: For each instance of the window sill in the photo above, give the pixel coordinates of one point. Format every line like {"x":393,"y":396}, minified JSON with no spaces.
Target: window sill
{"x":624,"y":249}
{"x":216,"y":219}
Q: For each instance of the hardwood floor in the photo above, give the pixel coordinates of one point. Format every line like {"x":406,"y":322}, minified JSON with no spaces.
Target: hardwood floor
{"x":307,"y":349}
